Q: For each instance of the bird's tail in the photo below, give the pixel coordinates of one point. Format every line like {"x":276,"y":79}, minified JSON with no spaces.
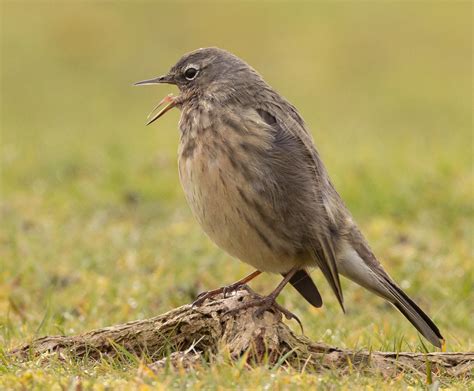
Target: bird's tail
{"x":358,"y":263}
{"x":415,"y":315}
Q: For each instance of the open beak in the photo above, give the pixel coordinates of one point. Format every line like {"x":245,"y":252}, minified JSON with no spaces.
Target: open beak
{"x":170,"y":100}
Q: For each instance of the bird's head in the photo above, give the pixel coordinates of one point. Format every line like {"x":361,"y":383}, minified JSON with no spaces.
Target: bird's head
{"x":209,"y":73}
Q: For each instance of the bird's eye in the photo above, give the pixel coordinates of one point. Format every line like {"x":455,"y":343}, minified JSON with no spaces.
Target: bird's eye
{"x":190,"y":73}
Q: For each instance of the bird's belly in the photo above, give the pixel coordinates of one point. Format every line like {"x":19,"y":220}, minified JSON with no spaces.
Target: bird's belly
{"x":215,"y":197}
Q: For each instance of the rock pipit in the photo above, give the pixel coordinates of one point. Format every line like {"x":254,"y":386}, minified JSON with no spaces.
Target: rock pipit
{"x":256,"y":184}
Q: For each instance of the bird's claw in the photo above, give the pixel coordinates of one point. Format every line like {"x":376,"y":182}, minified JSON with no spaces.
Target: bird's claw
{"x":266,"y":303}
{"x":225,"y":290}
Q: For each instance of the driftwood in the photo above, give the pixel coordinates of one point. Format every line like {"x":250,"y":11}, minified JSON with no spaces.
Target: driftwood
{"x":188,"y":336}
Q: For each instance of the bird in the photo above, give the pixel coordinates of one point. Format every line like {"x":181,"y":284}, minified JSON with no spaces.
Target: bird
{"x":256,"y":184}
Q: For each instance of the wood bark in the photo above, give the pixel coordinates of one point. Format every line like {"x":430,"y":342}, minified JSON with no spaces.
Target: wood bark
{"x":187,"y":336}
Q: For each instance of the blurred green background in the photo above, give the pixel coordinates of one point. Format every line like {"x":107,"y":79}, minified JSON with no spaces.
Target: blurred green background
{"x":94,"y":226}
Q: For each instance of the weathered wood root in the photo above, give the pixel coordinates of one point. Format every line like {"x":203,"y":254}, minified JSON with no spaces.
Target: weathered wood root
{"x":186,"y":336}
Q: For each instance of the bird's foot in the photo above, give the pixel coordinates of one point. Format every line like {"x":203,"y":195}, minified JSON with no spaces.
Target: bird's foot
{"x":225,"y":290}
{"x":265,"y":303}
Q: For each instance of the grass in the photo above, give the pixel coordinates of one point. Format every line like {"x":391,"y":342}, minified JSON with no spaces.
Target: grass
{"x":94,"y":227}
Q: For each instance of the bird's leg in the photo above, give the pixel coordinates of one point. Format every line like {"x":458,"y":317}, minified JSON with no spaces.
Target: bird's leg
{"x":266,"y":302}
{"x":225,"y":289}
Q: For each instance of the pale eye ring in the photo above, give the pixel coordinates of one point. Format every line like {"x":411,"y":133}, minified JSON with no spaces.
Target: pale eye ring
{"x":191,"y":73}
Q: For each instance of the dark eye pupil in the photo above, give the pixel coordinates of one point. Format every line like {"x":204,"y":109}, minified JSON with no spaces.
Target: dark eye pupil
{"x":190,"y":73}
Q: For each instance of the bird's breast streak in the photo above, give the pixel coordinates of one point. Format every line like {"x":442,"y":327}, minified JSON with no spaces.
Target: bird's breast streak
{"x":221,"y":200}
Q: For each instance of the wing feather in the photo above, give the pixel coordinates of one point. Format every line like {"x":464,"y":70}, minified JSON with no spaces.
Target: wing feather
{"x":323,"y":247}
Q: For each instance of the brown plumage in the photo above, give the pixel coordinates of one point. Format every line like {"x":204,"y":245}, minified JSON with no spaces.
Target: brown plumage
{"x":256,"y":184}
